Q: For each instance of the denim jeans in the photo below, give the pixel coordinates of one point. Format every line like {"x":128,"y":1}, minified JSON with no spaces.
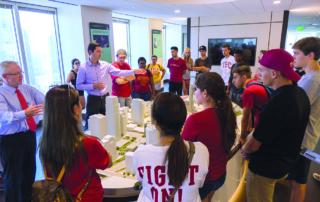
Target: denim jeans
{"x":125,"y":101}
{"x":146,"y":96}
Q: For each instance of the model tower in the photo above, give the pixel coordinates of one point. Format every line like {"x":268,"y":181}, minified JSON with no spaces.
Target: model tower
{"x":98,"y":125}
{"x":138,"y":108}
{"x":113,"y":117}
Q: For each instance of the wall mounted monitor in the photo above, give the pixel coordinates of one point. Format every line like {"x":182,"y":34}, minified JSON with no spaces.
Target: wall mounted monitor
{"x":247,"y":45}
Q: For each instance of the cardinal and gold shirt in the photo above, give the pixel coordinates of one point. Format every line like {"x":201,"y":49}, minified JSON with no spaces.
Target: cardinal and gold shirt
{"x":142,"y":83}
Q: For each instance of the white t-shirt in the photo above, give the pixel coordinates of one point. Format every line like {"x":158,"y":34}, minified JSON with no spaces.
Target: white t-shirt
{"x":311,"y":84}
{"x":226,"y":64}
{"x":149,"y":169}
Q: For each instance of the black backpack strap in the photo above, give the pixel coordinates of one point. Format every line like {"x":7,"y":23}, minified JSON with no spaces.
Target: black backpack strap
{"x":149,"y":73}
{"x":148,"y":66}
{"x":191,"y":153}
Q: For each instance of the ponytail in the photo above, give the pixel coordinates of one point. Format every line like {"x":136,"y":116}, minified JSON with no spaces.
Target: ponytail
{"x":215,"y":87}
{"x":169,"y":113}
{"x":177,"y":157}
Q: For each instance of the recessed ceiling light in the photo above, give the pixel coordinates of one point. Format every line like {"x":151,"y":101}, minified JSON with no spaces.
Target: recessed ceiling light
{"x":277,"y":2}
{"x":177,"y":11}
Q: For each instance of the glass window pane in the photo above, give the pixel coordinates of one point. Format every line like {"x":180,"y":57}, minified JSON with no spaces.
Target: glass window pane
{"x":8,"y":42}
{"x":40,"y":46}
{"x":120,"y":38}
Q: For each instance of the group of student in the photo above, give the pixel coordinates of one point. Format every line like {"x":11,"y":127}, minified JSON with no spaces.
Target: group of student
{"x":284,"y":122}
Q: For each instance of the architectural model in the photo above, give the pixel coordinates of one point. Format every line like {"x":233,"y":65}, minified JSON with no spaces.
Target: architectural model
{"x":98,"y":125}
{"x":109,"y":143}
{"x":152,"y":135}
{"x":129,"y":162}
{"x":113,"y":117}
{"x":138,"y":111}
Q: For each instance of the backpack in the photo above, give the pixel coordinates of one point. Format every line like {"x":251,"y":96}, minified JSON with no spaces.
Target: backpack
{"x":51,"y":190}
{"x":269,"y":92}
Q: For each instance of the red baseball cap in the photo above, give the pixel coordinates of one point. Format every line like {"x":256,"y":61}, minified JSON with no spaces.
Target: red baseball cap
{"x":280,"y":60}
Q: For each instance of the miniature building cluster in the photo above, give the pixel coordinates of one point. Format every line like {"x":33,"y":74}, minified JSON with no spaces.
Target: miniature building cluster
{"x":122,"y":130}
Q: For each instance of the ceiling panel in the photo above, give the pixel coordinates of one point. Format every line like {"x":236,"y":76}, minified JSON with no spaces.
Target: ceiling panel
{"x":224,"y":9}
{"x":249,"y":6}
{"x":270,"y":6}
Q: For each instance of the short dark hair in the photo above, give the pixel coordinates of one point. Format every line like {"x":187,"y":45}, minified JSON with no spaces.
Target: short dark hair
{"x":240,"y":52}
{"x":141,"y":59}
{"x":263,"y":51}
{"x":73,"y":61}
{"x":308,"y":45}
{"x":92,"y":46}
{"x":243,"y":70}
{"x":226,"y":46}
{"x":154,"y":56}
{"x":174,"y":48}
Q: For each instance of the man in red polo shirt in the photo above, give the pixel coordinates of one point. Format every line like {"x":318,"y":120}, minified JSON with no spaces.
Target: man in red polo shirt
{"x":253,"y":97}
{"x":177,"y":68}
{"x":121,"y":85}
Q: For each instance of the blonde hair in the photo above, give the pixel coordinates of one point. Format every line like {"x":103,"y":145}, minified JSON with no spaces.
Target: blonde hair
{"x":187,"y":60}
{"x":4,"y":66}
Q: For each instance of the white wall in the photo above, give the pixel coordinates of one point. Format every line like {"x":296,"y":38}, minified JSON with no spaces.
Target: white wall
{"x":71,"y":37}
{"x":238,"y":26}
{"x":139,"y":38}
{"x":173,"y":38}
{"x":90,"y":14}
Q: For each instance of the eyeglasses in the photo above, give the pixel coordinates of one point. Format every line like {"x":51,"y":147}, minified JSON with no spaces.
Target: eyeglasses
{"x":16,"y":74}
{"x":77,"y":63}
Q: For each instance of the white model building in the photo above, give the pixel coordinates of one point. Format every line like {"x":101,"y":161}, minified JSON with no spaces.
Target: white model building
{"x":131,"y":126}
{"x":138,"y":107}
{"x":123,"y":120}
{"x":191,"y":101}
{"x":113,"y":117}
{"x":152,"y":135}
{"x":109,"y":143}
{"x":129,"y":162}
{"x":98,"y":125}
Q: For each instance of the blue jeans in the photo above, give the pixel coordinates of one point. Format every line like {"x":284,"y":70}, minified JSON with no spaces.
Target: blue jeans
{"x":210,"y":186}
{"x":146,"y":96}
{"x":125,"y":101}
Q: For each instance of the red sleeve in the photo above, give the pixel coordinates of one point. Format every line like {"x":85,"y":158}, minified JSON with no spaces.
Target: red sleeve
{"x":97,"y":155}
{"x":168,"y":65}
{"x":247,"y":98}
{"x":184,"y":65}
{"x":190,"y":129}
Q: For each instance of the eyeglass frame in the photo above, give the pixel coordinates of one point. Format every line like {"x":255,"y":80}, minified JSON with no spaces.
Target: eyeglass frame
{"x":16,"y":74}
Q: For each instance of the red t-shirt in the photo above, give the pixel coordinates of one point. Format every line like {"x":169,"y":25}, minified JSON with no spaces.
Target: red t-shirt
{"x":142,"y":83}
{"x":123,"y":90}
{"x":176,"y":68}
{"x":97,"y":159}
{"x":254,"y":95}
{"x":205,"y":127}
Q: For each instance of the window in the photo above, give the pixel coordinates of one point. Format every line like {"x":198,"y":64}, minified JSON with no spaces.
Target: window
{"x":30,"y":38}
{"x":8,"y":42}
{"x":121,"y":37}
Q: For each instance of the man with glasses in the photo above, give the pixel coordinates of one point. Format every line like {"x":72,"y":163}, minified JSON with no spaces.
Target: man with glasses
{"x":121,"y":85}
{"x":20,"y":106}
{"x":93,"y":77}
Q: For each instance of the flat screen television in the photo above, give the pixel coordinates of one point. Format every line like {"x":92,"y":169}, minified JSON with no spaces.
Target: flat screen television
{"x":247,"y":45}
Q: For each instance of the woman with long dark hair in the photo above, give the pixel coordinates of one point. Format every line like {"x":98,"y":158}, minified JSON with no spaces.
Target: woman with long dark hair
{"x":63,"y":145}
{"x":215,"y":127}
{"x":164,"y":165}
{"x":72,"y":77}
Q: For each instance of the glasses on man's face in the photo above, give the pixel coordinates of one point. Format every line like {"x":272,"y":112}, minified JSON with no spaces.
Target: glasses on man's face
{"x":77,"y":63}
{"x":16,"y":74}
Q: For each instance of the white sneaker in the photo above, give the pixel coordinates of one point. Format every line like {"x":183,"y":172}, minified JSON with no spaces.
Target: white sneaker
{"x":316,"y":176}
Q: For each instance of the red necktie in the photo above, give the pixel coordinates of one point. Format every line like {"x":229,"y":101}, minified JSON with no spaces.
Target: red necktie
{"x":31,"y":123}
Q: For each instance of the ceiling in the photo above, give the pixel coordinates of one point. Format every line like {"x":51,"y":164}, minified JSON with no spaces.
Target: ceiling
{"x":303,"y":12}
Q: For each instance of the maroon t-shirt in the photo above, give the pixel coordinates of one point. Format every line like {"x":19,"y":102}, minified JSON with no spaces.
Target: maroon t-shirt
{"x":254,"y":95}
{"x":120,"y":90}
{"x":176,"y":68}
{"x":142,"y":83}
{"x":97,"y":159}
{"x":205,"y":127}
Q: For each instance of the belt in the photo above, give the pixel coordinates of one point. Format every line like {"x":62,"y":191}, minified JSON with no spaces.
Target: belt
{"x":101,"y":96}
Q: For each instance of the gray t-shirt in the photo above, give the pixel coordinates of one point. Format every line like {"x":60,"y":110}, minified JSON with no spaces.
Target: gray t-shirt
{"x":311,"y":84}
{"x":206,"y":62}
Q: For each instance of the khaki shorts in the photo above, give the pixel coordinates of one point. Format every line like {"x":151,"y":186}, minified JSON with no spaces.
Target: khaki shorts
{"x":259,"y":188}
